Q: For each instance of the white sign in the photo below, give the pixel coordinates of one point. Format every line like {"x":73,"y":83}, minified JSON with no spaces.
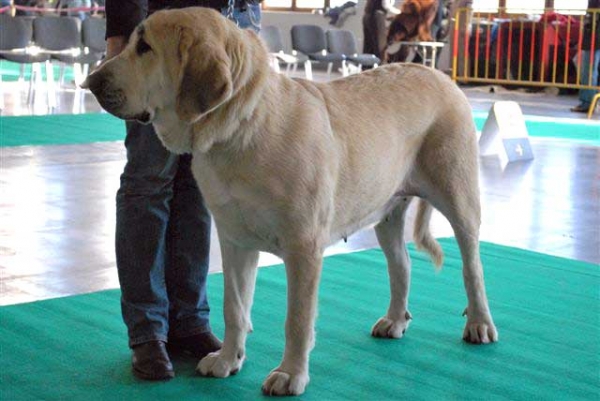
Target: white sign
{"x":505,"y":135}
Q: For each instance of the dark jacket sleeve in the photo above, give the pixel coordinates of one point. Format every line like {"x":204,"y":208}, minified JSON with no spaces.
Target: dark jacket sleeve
{"x":122,"y":16}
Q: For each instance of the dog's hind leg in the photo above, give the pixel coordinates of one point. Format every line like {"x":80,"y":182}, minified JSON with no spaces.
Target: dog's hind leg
{"x":447,"y":174}
{"x":390,"y":234}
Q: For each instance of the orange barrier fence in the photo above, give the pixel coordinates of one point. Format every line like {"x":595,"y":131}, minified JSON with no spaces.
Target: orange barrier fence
{"x":509,"y":49}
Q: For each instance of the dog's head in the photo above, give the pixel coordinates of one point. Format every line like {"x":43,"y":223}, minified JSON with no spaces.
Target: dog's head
{"x":418,"y":6}
{"x":180,"y":60}
{"x":404,"y":27}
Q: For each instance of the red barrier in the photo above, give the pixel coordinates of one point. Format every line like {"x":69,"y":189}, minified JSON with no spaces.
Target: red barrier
{"x":500,"y":48}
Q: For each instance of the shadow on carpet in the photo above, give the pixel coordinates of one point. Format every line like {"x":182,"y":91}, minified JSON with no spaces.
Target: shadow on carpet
{"x":546,"y":309}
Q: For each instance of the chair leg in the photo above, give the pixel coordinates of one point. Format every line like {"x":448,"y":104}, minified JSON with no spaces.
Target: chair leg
{"x":329,"y":68}
{"x":34,"y":81}
{"x":85,"y":71}
{"x":78,"y":73}
{"x":308,"y":70}
{"x":345,"y":68}
{"x":275,"y":64}
{"x":51,"y":91}
{"x":22,"y":73}
{"x":593,"y":105}
{"x":1,"y":94}
{"x":61,"y":75}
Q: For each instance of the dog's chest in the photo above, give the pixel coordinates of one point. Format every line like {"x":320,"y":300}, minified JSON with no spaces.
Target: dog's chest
{"x":239,"y":208}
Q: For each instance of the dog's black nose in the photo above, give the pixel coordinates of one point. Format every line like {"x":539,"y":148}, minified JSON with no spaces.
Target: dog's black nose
{"x":143,"y":118}
{"x":109,"y":97}
{"x":95,"y":83}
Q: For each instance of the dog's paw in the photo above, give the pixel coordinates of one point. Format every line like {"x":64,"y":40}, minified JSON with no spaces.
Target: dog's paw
{"x":480,"y":330}
{"x":388,"y":328}
{"x":282,"y":383}
{"x":216,"y":365}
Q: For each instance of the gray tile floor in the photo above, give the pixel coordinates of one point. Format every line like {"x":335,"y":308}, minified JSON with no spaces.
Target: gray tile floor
{"x":57,"y":202}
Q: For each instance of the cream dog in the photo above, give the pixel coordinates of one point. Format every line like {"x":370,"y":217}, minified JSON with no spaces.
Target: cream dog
{"x":291,"y":166}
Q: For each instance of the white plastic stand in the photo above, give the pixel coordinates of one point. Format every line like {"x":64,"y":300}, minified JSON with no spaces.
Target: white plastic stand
{"x":504,"y":135}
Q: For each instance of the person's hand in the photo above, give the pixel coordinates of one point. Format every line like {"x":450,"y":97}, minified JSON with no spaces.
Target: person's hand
{"x":114,"y":46}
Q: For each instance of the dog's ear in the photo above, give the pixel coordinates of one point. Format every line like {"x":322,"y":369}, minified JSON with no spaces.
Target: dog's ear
{"x":204,"y":77}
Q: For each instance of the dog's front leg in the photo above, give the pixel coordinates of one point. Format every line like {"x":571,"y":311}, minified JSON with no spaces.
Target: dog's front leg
{"x":239,"y":269}
{"x":291,"y":376}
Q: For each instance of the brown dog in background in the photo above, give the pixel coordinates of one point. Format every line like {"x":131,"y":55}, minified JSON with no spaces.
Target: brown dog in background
{"x":412,"y":24}
{"x":424,"y":10}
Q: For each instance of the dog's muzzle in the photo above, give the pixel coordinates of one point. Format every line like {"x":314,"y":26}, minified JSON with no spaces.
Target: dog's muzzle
{"x":111,"y":99}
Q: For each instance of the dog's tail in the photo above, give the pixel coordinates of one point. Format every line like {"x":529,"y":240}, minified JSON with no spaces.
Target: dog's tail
{"x":422,"y":236}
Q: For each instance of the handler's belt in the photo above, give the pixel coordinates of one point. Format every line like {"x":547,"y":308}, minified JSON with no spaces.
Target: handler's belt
{"x":155,"y":5}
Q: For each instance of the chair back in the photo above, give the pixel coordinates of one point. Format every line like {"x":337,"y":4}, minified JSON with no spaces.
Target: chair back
{"x":271,"y":35}
{"x":57,"y":33}
{"x":340,"y":41}
{"x":15,"y":32}
{"x":93,"y":32}
{"x":308,"y":39}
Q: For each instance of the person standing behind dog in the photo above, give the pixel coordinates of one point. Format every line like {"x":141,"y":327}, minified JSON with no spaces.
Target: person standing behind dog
{"x":163,"y":226}
{"x":374,"y":32}
{"x":590,"y":58}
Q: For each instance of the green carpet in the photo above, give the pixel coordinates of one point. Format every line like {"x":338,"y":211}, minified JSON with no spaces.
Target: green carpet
{"x":101,"y":127}
{"x":10,"y":71}
{"x":62,"y":129}
{"x":587,"y":131}
{"x":546,"y":310}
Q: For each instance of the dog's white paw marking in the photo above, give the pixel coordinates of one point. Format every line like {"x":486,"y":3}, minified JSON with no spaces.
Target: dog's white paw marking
{"x":480,"y":330}
{"x":388,"y":328}
{"x":480,"y":333}
{"x":282,"y":383}
{"x":216,"y":365}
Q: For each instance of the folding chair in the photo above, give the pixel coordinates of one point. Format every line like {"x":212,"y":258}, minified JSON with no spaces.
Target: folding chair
{"x":310,"y":40}
{"x":340,"y":41}
{"x":61,"y":38}
{"x":16,"y":34}
{"x":271,"y":35}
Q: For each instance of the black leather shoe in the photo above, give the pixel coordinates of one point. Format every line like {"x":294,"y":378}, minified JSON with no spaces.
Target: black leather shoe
{"x":198,"y":345}
{"x":150,"y":361}
{"x":580,"y":109}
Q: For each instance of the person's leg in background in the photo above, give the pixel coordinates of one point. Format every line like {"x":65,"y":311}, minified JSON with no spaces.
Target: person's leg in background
{"x":163,"y":248}
{"x":370,"y":35}
{"x":586,"y":95}
{"x":143,"y":213}
{"x":188,"y":252}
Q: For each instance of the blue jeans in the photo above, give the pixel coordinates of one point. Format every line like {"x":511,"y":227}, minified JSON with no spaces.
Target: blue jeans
{"x":586,"y":95}
{"x":76,"y":4}
{"x":163,"y":236}
{"x":248,"y":18}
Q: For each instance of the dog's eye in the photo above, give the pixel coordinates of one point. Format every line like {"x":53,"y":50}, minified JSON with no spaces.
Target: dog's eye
{"x":142,"y":47}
